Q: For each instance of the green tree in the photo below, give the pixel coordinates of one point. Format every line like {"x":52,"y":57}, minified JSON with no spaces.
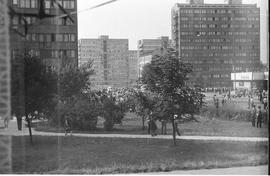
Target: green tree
{"x":73,"y":97}
{"x":32,"y":88}
{"x":166,"y":76}
{"x":112,"y":113}
{"x":73,"y":81}
{"x":143,"y":102}
{"x":81,"y":110}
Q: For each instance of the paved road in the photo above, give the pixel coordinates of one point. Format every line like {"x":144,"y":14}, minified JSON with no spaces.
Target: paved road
{"x":12,"y":131}
{"x":250,"y":170}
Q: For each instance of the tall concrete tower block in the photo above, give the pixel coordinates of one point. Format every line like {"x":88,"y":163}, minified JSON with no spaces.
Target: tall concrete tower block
{"x":196,"y":1}
{"x":233,"y":2}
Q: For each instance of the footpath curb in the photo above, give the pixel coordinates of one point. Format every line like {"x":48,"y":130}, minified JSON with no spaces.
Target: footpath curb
{"x":204,"y":138}
{"x":245,"y":170}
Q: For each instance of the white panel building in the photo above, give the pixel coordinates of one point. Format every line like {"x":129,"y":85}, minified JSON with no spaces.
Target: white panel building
{"x":110,"y":61}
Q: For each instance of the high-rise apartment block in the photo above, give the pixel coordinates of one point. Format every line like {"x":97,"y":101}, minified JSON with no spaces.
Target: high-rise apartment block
{"x":133,"y":66}
{"x":217,"y":39}
{"x":148,"y":47}
{"x":53,"y":39}
{"x":110,"y":59}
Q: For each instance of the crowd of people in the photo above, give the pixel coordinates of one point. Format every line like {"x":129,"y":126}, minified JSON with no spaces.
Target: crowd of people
{"x":256,"y":109}
{"x":256,"y":116}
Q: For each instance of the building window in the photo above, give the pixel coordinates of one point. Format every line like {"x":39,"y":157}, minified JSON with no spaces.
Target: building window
{"x":15,"y":20}
{"x":60,"y":2}
{"x":72,"y":4}
{"x":59,"y":37}
{"x":65,"y":4}
{"x":28,"y":20}
{"x":69,"y":4}
{"x":15,"y":2}
{"x":72,"y":37}
{"x":72,"y":54}
{"x":27,"y":4}
{"x":66,"y":37}
{"x":33,"y":3}
{"x":33,"y":37}
{"x":48,"y":37}
{"x":41,"y":37}
{"x":22,"y":3}
{"x":47,"y":4}
{"x":28,"y":37}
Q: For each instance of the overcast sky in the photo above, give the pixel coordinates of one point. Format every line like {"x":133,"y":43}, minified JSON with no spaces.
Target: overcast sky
{"x":140,"y":19}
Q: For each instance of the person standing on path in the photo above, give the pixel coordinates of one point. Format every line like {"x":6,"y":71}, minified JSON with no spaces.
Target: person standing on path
{"x":253,"y":115}
{"x":176,"y":121}
{"x":259,"y":117}
{"x":68,"y":126}
{"x":217,"y":106}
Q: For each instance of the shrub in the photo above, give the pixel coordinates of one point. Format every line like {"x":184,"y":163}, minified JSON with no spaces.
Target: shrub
{"x":226,"y":114}
{"x":81,"y":110}
{"x":112,"y":113}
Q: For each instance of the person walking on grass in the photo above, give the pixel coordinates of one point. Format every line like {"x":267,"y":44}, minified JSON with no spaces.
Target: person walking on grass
{"x":259,"y":117}
{"x":68,"y":126}
{"x":253,"y":115}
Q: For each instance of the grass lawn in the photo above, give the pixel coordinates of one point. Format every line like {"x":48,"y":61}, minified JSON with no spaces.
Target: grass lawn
{"x":67,"y":155}
{"x":212,"y":126}
{"x":205,"y":127}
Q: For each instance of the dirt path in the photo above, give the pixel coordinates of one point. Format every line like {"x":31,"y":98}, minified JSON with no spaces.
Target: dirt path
{"x":12,"y":131}
{"x":250,"y":170}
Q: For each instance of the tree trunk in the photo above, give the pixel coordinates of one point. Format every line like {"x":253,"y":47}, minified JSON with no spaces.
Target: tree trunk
{"x":174,"y":135}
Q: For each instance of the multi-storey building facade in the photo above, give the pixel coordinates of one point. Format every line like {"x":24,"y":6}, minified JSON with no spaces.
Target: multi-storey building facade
{"x":110,"y":59}
{"x":217,"y":39}
{"x":54,"y":40}
{"x":148,"y":47}
{"x":133,"y":66}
